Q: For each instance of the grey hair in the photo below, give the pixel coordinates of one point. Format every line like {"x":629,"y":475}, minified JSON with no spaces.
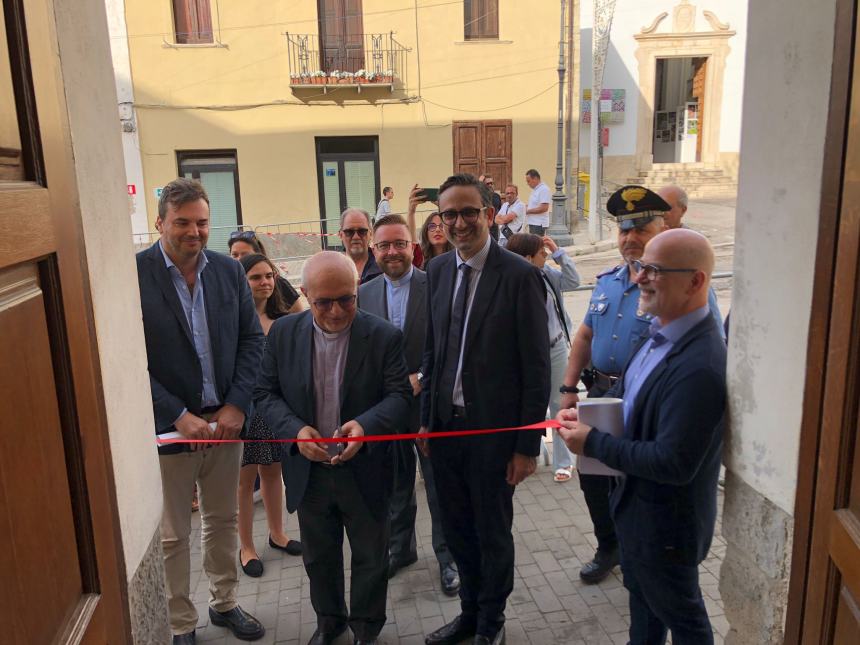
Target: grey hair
{"x":683,"y":200}
{"x":355,"y":210}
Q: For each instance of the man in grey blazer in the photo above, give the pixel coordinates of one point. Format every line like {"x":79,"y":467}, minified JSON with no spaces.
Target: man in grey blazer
{"x":400,"y":296}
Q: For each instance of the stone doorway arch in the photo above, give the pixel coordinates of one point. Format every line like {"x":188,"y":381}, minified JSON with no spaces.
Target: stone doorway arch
{"x":684,"y":42}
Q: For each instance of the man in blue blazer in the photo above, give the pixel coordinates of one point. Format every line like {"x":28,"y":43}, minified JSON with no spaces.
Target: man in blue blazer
{"x":335,"y":369}
{"x":674,"y":392}
{"x":203,"y":346}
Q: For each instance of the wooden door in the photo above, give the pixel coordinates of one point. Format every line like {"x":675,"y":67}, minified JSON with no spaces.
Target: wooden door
{"x":60,"y":549}
{"x":824,"y":592}
{"x":341,"y":37}
{"x":484,"y":148}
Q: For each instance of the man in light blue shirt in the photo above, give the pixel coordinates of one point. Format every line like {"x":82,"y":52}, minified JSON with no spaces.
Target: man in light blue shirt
{"x":674,"y":392}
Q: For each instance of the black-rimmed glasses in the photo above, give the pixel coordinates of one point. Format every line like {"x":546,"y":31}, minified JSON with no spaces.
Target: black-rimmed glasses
{"x":652,"y":271}
{"x":344,"y":302}
{"x":469,"y":215}
{"x":400,"y":245}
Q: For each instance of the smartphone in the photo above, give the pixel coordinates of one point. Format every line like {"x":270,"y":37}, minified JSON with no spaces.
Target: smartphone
{"x":334,"y":449}
{"x":431,"y":194}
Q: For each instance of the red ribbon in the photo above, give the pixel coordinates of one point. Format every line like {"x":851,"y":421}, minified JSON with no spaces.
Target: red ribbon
{"x":543,"y":425}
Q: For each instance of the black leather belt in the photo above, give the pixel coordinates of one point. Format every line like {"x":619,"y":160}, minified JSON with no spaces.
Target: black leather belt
{"x":604,"y":380}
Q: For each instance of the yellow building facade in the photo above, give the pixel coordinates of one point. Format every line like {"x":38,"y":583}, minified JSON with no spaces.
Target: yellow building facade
{"x":231,"y":96}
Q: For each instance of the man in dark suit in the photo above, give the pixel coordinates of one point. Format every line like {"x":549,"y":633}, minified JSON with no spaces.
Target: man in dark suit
{"x":203,"y":346}
{"x":486,"y":365}
{"x":674,"y":393}
{"x":400,"y":296}
{"x":335,"y":371}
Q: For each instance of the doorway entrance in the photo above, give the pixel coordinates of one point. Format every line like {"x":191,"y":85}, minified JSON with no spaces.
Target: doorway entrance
{"x":341,"y":37}
{"x":218,"y":171}
{"x":679,"y":101}
{"x":347,"y":177}
{"x":484,"y":148}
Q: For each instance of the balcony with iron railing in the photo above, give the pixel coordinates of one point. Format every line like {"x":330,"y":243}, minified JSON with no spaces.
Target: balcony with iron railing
{"x":359,"y":61}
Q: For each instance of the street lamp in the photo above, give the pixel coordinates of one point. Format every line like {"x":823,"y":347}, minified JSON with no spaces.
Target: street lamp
{"x":558,"y":230}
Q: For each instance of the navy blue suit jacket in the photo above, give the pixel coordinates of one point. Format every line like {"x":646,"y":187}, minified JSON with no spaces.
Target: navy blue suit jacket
{"x":375,"y":392}
{"x":175,"y":375}
{"x":506,"y":367}
{"x":665,"y":507}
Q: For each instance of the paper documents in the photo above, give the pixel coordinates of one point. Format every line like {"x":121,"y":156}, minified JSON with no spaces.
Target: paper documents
{"x":607,"y":416}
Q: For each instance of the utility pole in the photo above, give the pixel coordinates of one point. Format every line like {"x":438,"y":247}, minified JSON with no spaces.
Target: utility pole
{"x":571,"y":167}
{"x":558,"y":230}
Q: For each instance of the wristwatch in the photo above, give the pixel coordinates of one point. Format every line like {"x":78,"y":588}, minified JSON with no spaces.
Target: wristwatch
{"x":419,"y":377}
{"x":568,"y":389}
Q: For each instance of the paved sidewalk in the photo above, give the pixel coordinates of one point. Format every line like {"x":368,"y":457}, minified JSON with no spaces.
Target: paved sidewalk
{"x":549,"y":604}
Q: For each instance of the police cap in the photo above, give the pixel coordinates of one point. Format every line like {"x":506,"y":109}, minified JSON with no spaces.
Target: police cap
{"x":635,"y":206}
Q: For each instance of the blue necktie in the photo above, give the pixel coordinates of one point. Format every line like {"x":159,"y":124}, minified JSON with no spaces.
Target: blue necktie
{"x":448,"y":375}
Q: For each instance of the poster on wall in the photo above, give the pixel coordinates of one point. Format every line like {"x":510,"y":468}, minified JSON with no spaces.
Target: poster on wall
{"x":612,"y":106}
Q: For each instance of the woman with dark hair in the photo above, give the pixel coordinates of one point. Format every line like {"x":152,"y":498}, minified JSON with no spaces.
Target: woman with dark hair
{"x":433,"y":241}
{"x":534,"y":249}
{"x":261,"y":458}
{"x":243,"y":243}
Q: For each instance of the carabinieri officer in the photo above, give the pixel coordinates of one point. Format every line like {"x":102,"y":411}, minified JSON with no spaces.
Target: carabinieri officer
{"x":606,"y":338}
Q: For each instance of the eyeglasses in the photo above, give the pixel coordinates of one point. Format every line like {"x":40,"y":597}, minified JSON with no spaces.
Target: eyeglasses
{"x":352,"y":232}
{"x":344,"y":302}
{"x":652,"y":271}
{"x":400,"y":245}
{"x":469,"y":215}
{"x":433,"y":226}
{"x":247,"y":236}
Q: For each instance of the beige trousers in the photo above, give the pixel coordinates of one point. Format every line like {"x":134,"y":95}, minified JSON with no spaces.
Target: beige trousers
{"x":216,"y":472}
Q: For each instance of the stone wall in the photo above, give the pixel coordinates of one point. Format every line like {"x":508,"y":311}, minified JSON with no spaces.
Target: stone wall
{"x":147,"y":600}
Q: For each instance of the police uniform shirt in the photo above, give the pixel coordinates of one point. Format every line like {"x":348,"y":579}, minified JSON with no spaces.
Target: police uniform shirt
{"x":615,"y":319}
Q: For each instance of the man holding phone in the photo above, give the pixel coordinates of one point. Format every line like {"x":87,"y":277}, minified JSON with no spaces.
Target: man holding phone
{"x":335,"y":371}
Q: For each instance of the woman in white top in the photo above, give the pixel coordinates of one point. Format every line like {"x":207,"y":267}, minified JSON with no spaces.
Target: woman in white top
{"x":534,"y":249}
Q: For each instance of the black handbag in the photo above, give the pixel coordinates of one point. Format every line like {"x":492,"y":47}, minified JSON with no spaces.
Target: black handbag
{"x":507,"y":232}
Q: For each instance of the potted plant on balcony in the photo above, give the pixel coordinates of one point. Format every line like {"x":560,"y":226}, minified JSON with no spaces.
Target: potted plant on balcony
{"x":372,"y":77}
{"x":360,"y":76}
{"x":387,"y":76}
{"x":319,"y":77}
{"x":346,"y":78}
{"x":333,"y":77}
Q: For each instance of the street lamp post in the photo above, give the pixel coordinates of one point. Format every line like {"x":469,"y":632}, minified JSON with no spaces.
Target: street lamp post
{"x":558,"y":230}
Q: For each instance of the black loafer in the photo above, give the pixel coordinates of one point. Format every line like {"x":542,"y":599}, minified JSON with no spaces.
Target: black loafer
{"x":185,"y":639}
{"x":293,"y":547}
{"x":252,"y":567}
{"x":397,"y":562}
{"x":457,"y":630}
{"x":600,"y":567}
{"x":243,"y":625}
{"x":325,"y":638}
{"x":450,"y":578}
{"x":498,"y":639}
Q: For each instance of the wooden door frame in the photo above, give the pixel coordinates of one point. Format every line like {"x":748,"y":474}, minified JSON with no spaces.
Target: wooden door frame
{"x":83,"y":410}
{"x":482,"y":123}
{"x":810,"y":585}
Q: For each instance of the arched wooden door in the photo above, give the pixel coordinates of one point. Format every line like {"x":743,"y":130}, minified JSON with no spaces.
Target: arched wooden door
{"x":63,"y":580}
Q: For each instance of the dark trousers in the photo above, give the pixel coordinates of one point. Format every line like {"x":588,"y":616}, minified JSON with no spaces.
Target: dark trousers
{"x":477,"y":515}
{"x":404,"y":505}
{"x":596,"y":489}
{"x":331,"y":503}
{"x":665,"y":597}
{"x":537,"y":230}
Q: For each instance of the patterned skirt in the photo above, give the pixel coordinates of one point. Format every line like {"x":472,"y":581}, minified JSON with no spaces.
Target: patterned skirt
{"x":261,"y":453}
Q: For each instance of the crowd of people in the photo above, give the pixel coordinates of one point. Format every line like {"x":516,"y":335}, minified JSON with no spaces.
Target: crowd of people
{"x":452,"y":326}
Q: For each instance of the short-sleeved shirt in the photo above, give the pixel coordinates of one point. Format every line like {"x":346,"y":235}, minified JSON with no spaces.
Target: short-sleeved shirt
{"x":540,"y":195}
{"x":383,"y":209}
{"x":518,"y":210}
{"x":617,"y":322}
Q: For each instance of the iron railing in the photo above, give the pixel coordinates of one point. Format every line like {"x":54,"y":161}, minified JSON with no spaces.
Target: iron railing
{"x":361,"y":59}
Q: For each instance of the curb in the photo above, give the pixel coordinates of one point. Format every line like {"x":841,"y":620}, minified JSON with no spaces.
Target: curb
{"x":589,"y":249}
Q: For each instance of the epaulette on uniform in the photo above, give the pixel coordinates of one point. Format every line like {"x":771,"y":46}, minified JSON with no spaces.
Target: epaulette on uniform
{"x":608,"y":271}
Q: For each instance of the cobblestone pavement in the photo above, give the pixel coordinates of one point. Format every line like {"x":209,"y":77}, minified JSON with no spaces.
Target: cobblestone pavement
{"x":549,"y":604}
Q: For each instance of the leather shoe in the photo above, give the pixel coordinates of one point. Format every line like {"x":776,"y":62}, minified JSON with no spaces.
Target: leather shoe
{"x":243,"y":625}
{"x":498,"y":639}
{"x":450,"y":578}
{"x":457,"y":630}
{"x":252,"y":567}
{"x":395,"y":563}
{"x":600,"y":567}
{"x":185,"y":639}
{"x":325,"y":638}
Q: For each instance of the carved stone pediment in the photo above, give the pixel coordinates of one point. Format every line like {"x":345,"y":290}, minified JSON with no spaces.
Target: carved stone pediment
{"x":684,"y":20}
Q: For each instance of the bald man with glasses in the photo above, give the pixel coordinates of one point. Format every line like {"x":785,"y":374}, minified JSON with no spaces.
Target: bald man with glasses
{"x":328,"y":372}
